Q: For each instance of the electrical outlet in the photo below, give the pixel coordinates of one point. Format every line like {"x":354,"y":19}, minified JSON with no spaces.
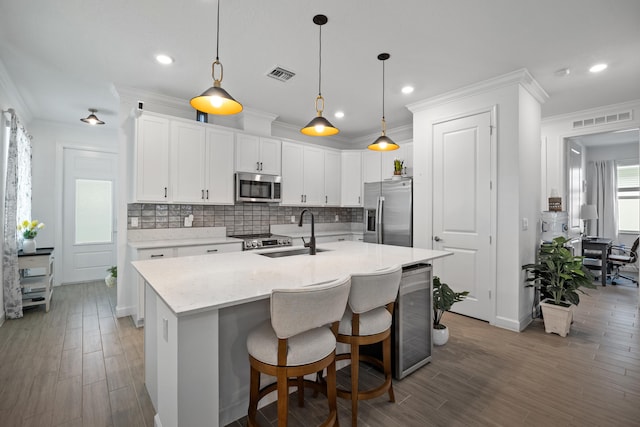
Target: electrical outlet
{"x":134,"y":222}
{"x":293,"y":219}
{"x":337,"y":218}
{"x":525,"y":224}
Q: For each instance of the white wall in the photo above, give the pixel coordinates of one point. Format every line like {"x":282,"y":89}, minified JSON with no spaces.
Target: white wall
{"x":49,"y":139}
{"x":517,"y":178}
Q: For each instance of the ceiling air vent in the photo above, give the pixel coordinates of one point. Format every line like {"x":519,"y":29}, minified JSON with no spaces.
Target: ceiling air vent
{"x":602,"y":120}
{"x":280,"y":74}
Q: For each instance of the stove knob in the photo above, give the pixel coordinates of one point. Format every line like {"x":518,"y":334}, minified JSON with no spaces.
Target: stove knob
{"x":257,"y":244}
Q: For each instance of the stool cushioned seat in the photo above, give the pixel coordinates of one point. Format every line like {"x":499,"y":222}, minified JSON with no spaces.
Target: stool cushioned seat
{"x":307,"y":347}
{"x":372,"y":322}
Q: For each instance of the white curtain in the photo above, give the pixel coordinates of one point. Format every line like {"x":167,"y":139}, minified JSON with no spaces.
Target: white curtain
{"x":602,"y":180}
{"x":17,"y":207}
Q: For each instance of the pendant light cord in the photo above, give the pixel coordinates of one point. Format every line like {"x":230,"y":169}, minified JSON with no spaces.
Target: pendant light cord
{"x":320,"y":64}
{"x":218,"y":32}
{"x":383,"y":90}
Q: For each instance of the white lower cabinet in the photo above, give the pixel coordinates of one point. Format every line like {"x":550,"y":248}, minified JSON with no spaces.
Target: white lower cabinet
{"x":170,"y":252}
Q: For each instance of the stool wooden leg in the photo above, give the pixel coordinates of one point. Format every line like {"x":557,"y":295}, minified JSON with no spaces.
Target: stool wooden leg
{"x":355,"y":365}
{"x":254,"y":388}
{"x":332,"y":391}
{"x":301,"y":392}
{"x":386,"y":360}
{"x":283,"y":397}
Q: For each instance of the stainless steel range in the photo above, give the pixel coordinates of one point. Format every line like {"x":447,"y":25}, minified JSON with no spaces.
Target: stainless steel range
{"x":263,"y":241}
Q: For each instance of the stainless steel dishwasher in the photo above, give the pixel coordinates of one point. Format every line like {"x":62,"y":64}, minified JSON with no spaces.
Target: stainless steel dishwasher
{"x":412,"y":318}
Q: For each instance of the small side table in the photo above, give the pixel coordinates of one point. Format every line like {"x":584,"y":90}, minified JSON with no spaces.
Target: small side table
{"x":36,"y":290}
{"x":603,"y":246}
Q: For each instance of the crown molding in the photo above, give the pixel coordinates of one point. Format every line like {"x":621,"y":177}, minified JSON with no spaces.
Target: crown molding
{"x":14,"y":100}
{"x":520,"y":77}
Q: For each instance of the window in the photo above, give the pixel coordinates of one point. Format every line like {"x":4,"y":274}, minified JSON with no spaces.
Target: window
{"x":94,"y":209}
{"x":628,"y":198}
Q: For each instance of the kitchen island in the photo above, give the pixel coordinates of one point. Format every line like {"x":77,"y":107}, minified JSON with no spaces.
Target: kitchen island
{"x":200,"y":309}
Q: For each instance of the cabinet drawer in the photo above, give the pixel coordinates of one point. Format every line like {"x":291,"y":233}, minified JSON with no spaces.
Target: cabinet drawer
{"x":156,"y":253}
{"x":209,"y":249}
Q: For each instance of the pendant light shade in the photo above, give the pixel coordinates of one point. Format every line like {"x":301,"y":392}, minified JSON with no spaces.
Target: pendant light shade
{"x":92,"y":119}
{"x":216,"y":100}
{"x":383,"y":143}
{"x":319,"y":126}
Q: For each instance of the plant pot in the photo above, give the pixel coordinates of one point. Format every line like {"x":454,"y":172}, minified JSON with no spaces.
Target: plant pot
{"x":110,"y":281}
{"x":557,"y":318}
{"x":440,"y":336}
{"x":29,"y":246}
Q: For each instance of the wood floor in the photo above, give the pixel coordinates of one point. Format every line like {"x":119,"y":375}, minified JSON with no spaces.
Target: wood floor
{"x":78,"y":365}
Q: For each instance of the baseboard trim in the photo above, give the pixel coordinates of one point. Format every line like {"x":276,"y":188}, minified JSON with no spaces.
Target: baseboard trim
{"x":510,"y":324}
{"x":125,"y":311}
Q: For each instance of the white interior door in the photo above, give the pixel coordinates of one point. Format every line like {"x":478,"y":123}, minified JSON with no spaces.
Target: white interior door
{"x":462,"y":210}
{"x":89,"y":224}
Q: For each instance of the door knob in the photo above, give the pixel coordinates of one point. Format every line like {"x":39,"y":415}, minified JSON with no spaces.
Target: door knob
{"x":437,"y":239}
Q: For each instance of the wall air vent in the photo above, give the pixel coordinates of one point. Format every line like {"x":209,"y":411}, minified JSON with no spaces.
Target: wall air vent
{"x":603,"y":120}
{"x":280,"y":74}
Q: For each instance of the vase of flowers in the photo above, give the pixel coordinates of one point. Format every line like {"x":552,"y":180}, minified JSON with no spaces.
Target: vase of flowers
{"x":29,"y":230}
{"x":397,"y":166}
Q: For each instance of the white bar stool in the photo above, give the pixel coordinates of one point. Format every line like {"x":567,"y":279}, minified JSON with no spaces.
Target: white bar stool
{"x":299,"y":339}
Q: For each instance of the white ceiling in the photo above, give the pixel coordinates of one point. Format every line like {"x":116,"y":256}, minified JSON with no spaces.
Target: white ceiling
{"x":70,"y":55}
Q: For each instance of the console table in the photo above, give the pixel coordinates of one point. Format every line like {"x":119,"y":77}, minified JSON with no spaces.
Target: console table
{"x":36,"y":289}
{"x":601,"y":245}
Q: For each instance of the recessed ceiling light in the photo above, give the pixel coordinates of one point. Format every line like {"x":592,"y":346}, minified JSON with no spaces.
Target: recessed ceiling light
{"x":164,"y":59}
{"x":598,"y":67}
{"x":339,"y":114}
{"x":407,"y":90}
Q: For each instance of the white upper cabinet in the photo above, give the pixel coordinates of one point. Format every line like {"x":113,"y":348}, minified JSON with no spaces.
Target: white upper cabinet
{"x":332,"y":178}
{"x":351,"y":178}
{"x":303,"y":175}
{"x":187,"y":162}
{"x":151,"y":159}
{"x":258,"y":154}
{"x":371,"y":166}
{"x":219,"y":174}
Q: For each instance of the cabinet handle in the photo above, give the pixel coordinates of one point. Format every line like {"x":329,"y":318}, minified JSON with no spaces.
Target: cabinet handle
{"x":257,"y":166}
{"x":165,"y":192}
{"x":207,"y":194}
{"x":302,"y":198}
{"x":157,"y":255}
{"x":260,"y":166}
{"x":211,"y":250}
{"x":341,"y":240}
{"x":326,"y":199}
{"x":358,"y":199}
{"x":202,"y":194}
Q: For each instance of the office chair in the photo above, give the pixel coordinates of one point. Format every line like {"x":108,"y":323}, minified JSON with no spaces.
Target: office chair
{"x":621,"y":258}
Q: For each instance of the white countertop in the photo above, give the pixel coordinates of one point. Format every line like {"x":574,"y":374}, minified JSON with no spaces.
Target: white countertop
{"x":200,"y":283}
{"x":169,"y":243}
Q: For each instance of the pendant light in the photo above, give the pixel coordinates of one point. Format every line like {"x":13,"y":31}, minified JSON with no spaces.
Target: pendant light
{"x":92,"y":119}
{"x":383,"y":143}
{"x":216,"y":100}
{"x":319,"y":126}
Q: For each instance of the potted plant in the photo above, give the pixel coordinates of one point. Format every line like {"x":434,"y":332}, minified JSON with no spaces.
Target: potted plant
{"x":558,"y":275}
{"x":397,"y":166}
{"x":443,"y":298}
{"x":111,"y":279}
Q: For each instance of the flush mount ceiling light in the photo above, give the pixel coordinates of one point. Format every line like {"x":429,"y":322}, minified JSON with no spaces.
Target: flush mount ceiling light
{"x":598,"y":67}
{"x":216,"y":100}
{"x":164,"y":59}
{"x":383,"y":143}
{"x":92,"y":119}
{"x":319,"y":126}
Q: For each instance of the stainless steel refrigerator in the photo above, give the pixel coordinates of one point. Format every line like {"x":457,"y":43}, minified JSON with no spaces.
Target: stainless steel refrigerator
{"x":388,"y":212}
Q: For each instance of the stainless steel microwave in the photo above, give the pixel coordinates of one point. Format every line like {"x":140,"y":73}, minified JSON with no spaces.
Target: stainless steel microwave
{"x":257,"y":187}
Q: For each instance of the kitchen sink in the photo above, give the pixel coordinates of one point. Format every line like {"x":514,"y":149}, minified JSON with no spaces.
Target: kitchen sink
{"x":291,"y":252}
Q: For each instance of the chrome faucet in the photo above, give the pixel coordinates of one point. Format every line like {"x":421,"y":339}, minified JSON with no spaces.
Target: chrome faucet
{"x":312,"y":241}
